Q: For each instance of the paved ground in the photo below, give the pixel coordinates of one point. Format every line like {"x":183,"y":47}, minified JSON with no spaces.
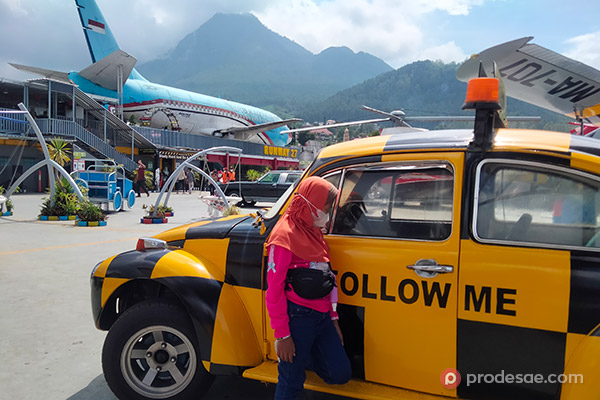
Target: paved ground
{"x":49,"y":346}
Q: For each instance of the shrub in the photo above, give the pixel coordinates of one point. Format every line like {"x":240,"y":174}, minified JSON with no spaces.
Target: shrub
{"x":160,"y":211}
{"x":253,"y":175}
{"x":232,"y":210}
{"x":8,"y":204}
{"x":88,"y":211}
{"x":65,"y":201}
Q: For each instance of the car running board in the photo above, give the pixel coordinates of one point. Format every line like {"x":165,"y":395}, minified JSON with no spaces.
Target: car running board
{"x":356,"y":388}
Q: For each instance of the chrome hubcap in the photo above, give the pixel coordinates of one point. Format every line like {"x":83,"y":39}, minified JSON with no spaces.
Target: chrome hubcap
{"x":158,"y":361}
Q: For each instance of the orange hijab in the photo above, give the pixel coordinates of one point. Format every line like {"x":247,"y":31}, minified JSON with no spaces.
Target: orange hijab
{"x":295,"y":230}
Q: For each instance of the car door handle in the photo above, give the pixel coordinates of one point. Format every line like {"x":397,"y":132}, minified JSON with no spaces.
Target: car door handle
{"x":428,"y":265}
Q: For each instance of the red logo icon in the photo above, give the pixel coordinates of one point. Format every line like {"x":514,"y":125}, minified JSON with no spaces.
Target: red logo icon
{"x":450,"y":378}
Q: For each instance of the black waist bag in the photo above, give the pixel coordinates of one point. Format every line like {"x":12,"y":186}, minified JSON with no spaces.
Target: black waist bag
{"x":310,"y":283}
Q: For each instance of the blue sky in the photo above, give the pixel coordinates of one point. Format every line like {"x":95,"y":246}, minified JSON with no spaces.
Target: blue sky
{"x":46,"y":33}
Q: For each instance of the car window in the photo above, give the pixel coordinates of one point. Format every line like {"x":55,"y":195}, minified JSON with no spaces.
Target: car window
{"x":537,"y":204}
{"x":269,"y":178}
{"x":291,"y":178}
{"x":403,"y":201}
{"x":334,"y":178}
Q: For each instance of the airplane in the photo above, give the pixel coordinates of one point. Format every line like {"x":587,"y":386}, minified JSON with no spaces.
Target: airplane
{"x":539,"y":76}
{"x":157,"y":105}
{"x":400,"y":121}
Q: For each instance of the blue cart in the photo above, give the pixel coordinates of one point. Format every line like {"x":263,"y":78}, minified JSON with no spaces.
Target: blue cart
{"x":107,"y":184}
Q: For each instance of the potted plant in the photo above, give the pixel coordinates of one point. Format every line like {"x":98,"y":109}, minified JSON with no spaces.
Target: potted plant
{"x":232,"y":210}
{"x":159,"y":217}
{"x":90,"y":215}
{"x":8,"y":205}
{"x":66,"y":204}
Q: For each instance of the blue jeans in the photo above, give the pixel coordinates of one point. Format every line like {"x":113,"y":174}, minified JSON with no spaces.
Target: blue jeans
{"x":318,"y":347}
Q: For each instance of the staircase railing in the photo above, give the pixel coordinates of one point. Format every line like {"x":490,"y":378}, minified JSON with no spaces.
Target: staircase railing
{"x":70,"y":128}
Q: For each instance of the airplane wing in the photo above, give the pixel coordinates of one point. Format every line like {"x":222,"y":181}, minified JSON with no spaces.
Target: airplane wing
{"x":46,"y":73}
{"x":105,"y":71}
{"x":541,"y":77}
{"x":245,"y":132}
{"x":338,"y":125}
{"x":460,"y":118}
{"x":467,"y":118}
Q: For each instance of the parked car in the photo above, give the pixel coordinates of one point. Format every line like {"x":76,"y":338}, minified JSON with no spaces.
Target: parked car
{"x":268,"y":188}
{"x":457,"y":252}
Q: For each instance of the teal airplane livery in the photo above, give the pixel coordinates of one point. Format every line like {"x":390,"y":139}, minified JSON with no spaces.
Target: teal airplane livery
{"x":157,"y":105}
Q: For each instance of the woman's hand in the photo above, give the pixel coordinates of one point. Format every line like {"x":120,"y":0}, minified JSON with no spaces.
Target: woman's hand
{"x":339,"y":331}
{"x":285,"y":349}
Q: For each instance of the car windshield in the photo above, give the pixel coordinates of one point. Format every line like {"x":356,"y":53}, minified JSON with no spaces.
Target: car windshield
{"x":269,"y":178}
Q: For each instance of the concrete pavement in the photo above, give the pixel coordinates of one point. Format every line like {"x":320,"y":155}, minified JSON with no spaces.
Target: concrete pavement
{"x":49,"y":346}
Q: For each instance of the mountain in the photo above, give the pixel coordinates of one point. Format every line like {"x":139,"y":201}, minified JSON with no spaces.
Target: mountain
{"x":419,"y":88}
{"x":235,"y":56}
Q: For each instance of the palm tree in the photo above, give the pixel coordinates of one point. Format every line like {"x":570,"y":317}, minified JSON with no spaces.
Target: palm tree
{"x":59,"y":151}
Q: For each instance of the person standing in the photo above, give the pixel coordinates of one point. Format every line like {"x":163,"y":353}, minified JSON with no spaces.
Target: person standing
{"x":301,"y":296}
{"x":141,"y":179}
{"x":157,"y":179}
{"x":181,"y":181}
{"x":190,"y":180}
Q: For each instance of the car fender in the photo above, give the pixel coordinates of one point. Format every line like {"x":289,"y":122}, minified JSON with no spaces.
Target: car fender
{"x":226,"y":338}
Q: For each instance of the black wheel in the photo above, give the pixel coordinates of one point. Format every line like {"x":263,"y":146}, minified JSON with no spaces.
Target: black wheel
{"x":249,"y":203}
{"x":151,"y":352}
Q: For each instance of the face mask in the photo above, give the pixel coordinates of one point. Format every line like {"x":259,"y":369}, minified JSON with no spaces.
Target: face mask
{"x":321,"y":219}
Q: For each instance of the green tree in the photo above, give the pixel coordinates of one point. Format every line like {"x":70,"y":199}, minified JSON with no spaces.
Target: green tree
{"x":59,"y":152}
{"x":304,"y":137}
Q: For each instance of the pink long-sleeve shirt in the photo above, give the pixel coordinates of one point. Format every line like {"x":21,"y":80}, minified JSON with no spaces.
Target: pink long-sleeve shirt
{"x":279,"y":262}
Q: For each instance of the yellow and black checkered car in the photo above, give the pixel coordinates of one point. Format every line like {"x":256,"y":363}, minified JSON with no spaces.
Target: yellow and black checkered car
{"x":465,"y":268}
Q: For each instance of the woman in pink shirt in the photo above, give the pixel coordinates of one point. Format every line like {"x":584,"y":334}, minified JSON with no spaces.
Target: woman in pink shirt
{"x":304,"y":318}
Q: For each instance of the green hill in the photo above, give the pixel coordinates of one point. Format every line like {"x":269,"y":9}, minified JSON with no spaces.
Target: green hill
{"x":419,"y":88}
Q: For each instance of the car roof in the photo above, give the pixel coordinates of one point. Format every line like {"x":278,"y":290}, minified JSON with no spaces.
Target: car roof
{"x":506,"y":140}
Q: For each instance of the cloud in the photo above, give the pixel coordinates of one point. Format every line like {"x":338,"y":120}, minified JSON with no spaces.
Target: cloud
{"x":447,"y":52}
{"x":586,"y":49}
{"x":48,"y":34}
{"x":13,"y":6}
{"x":389,"y":29}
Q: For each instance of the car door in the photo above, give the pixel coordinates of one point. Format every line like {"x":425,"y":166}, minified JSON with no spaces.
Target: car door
{"x":266,"y":187}
{"x":394,"y":245}
{"x":529,"y":277}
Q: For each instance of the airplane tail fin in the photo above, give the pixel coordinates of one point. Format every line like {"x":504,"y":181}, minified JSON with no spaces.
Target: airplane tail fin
{"x":98,"y":35}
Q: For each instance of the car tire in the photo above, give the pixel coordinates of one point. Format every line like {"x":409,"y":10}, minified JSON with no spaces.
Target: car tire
{"x":151,"y":352}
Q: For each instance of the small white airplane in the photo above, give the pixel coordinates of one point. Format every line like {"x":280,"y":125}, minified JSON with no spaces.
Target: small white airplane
{"x":542,"y":77}
{"x":400,"y":121}
{"x":156,"y":105}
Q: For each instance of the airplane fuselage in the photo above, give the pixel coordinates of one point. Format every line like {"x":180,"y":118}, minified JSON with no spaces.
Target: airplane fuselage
{"x":164,"y":107}
{"x":190,"y":112}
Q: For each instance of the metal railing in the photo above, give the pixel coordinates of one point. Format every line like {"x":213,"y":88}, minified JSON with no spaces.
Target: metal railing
{"x":70,"y":128}
{"x":194,"y":141}
{"x":8,"y":124}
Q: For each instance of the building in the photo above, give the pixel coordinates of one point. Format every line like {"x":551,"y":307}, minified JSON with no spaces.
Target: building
{"x":62,"y":110}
